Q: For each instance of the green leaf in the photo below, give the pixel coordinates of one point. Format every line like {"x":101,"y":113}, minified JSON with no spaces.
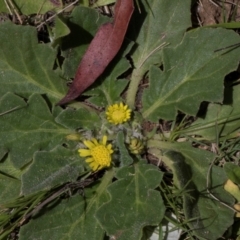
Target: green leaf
{"x":62,"y":223}
{"x":207,"y":217}
{"x":73,"y":219}
{"x":125,"y":159}
{"x":232,"y":25}
{"x":193,"y":73}
{"x":220,"y":120}
{"x":9,"y":189}
{"x":134,"y":203}
{"x":60,"y":30}
{"x":9,"y":170}
{"x":27,"y":7}
{"x":161,"y":23}
{"x":108,"y":91}
{"x":83,"y":24}
{"x":50,"y":169}
{"x":232,"y":172}
{"x":28,"y":129}
{"x":80,"y":118}
{"x":10,"y":183}
{"x":26,"y":68}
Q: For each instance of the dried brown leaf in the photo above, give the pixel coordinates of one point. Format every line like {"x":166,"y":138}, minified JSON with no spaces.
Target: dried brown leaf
{"x":101,"y":51}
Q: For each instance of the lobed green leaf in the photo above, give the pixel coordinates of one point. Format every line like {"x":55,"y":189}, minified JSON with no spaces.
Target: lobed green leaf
{"x":161,"y":22}
{"x":220,"y":119}
{"x":80,"y":118}
{"x":50,"y":169}
{"x":73,"y":218}
{"x":29,"y":128}
{"x":27,"y":67}
{"x":193,"y":72}
{"x":134,"y":203}
{"x":108,"y":90}
{"x":10,"y":181}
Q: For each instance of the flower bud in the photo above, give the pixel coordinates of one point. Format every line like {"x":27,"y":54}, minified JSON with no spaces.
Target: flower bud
{"x":74,"y":137}
{"x":136,"y":146}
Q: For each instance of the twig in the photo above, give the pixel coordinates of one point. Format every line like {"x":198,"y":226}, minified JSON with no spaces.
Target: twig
{"x":232,"y":3}
{"x":213,"y":3}
{"x":164,"y":44}
{"x":9,"y":9}
{"x":53,"y":16}
{"x":15,"y":11}
{"x":8,"y":111}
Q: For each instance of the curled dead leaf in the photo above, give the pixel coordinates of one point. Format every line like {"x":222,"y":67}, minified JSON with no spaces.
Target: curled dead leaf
{"x":101,"y":51}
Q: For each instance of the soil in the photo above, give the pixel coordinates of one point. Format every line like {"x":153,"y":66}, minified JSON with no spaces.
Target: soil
{"x":210,"y":12}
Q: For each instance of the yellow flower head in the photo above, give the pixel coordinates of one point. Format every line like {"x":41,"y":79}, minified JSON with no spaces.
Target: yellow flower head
{"x":118,"y":113}
{"x":99,"y":153}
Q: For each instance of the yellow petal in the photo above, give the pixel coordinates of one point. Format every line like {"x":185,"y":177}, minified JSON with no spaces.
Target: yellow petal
{"x":109,"y":147}
{"x":89,"y":144}
{"x":94,"y":166}
{"x":95,"y":141}
{"x":84,"y":152}
{"x":89,"y":160}
{"x":104,"y":140}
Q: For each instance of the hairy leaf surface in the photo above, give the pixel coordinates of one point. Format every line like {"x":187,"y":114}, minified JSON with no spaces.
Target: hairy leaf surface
{"x":108,"y":90}
{"x":73,"y":218}
{"x":134,"y":203}
{"x":27,"y":67}
{"x":50,"y":169}
{"x":10,"y":183}
{"x":80,"y":118}
{"x":29,"y":128}
{"x":220,"y":120}
{"x":193,"y":72}
{"x":125,"y":159}
{"x":161,"y":23}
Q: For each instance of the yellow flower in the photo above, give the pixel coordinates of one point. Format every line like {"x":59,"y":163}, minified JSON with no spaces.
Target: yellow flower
{"x":118,"y":113}
{"x":100,"y":153}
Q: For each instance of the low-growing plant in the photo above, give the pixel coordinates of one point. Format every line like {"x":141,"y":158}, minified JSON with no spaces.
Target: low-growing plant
{"x":154,"y":139}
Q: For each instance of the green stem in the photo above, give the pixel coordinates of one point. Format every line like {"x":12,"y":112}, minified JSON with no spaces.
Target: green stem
{"x":133,"y":87}
{"x":160,"y":144}
{"x":106,"y":180}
